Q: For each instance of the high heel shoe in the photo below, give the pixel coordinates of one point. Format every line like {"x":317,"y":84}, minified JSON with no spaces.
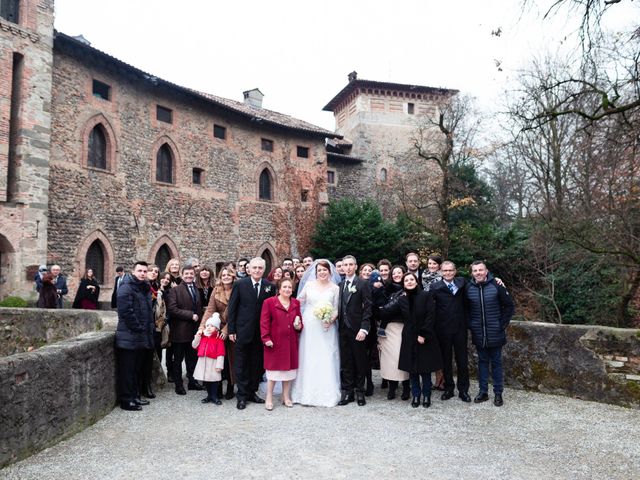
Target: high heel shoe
{"x":268,"y":406}
{"x":287,"y":403}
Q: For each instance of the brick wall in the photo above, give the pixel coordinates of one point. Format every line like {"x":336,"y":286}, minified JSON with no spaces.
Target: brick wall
{"x":220,"y":220}
{"x":25,"y":102}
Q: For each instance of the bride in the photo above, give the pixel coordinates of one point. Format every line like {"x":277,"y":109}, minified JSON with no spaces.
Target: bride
{"x":318,"y":379}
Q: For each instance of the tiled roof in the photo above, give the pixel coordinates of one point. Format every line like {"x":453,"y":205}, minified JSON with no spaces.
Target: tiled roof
{"x":357,"y":83}
{"x":270,"y":116}
{"x":260,"y":116}
{"x":342,"y":156}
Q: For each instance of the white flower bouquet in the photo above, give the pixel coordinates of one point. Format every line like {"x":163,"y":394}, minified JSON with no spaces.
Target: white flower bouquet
{"x":324,"y":314}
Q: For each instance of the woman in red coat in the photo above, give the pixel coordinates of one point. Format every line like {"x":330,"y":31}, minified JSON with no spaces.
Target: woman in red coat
{"x":280,"y":326}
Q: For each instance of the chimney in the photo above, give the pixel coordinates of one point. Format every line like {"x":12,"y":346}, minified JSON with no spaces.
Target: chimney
{"x":253,"y":98}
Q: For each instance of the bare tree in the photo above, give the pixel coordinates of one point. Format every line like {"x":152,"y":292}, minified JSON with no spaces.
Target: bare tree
{"x":439,"y":144}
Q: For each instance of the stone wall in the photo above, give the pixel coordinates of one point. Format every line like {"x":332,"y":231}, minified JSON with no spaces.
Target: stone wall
{"x":23,"y":330}
{"x":133,"y":215}
{"x":589,"y":362}
{"x":25,"y":119}
{"x":54,"y":392}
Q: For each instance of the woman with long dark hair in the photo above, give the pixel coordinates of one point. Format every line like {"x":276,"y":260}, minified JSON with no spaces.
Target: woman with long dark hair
{"x":419,"y":351}
{"x":88,"y":292}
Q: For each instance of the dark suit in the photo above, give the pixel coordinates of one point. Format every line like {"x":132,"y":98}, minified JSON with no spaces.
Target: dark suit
{"x":243,"y":320}
{"x":451,"y":330}
{"x":354,"y":315}
{"x":114,"y":294}
{"x":180,"y":307}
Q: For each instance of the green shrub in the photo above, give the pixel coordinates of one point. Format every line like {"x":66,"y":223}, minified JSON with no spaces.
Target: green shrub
{"x":15,"y":302}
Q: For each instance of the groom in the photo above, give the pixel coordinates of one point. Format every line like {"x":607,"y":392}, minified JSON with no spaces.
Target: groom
{"x":243,"y":320}
{"x":354,"y":323}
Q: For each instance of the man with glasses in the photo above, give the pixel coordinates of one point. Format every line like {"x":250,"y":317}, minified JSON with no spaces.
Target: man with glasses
{"x":451,"y":329}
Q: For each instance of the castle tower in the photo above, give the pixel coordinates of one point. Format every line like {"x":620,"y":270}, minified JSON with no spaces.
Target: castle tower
{"x":26,"y":58}
{"x":378,"y":121}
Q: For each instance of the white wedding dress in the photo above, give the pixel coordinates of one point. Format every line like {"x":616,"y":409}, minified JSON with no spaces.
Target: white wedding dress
{"x":318,"y":379}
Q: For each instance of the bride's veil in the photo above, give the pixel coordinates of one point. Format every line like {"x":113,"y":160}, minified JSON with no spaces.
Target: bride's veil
{"x":310,"y":274}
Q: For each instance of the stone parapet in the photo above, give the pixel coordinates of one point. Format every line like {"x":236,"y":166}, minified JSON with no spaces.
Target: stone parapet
{"x":54,"y":392}
{"x":582,"y":361}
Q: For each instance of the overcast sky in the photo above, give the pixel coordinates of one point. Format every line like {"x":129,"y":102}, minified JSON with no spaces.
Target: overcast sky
{"x":299,"y":53}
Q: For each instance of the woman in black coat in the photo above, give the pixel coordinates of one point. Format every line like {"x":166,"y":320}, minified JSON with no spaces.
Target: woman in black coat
{"x":88,"y":292}
{"x":419,"y":352}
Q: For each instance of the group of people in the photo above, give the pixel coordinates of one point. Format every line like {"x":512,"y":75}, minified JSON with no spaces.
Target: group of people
{"x":51,"y":286}
{"x":317,"y":327}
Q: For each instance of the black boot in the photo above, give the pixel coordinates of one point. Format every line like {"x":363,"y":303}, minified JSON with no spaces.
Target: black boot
{"x":406,"y":390}
{"x":384,"y":384}
{"x":148,"y":392}
{"x":213,"y":388}
{"x":426,"y":401}
{"x":393,"y":387}
{"x":369,"y":389}
{"x":230,"y":393}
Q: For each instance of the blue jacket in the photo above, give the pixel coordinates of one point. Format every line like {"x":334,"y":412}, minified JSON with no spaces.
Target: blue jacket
{"x":489,"y":311}
{"x":135,"y":315}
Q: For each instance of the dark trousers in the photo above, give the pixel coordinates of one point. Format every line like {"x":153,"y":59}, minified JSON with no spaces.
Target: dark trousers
{"x":183,"y":351}
{"x":455,"y":344}
{"x":493,"y":356}
{"x":354,"y":363}
{"x":146,"y":369}
{"x":129,"y":364}
{"x":416,"y":388}
{"x":249,"y":361}
{"x":168,"y":359}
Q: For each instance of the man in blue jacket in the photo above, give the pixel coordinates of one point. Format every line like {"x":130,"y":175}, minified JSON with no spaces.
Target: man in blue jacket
{"x":490,"y":309}
{"x":134,"y":334}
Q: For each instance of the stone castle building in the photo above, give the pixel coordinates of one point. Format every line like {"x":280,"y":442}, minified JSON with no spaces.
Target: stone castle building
{"x":102,"y":163}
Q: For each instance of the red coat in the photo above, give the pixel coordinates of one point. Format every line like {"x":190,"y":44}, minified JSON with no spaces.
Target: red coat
{"x":276,"y":324}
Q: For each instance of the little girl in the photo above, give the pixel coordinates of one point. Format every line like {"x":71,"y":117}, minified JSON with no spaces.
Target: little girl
{"x":210,"y":358}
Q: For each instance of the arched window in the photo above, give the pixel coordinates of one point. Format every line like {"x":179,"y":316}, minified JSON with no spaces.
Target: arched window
{"x":383,"y":175}
{"x":163,"y":256}
{"x":268,"y":260}
{"x":95,"y":260}
{"x":97,"y":151}
{"x":164,"y":164}
{"x":264,"y":191}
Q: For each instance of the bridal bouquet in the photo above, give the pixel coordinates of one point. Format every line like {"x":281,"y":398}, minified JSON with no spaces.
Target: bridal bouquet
{"x":324,"y":313}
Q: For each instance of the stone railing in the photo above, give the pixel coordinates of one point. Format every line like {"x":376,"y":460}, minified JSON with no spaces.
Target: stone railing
{"x":24,"y":330}
{"x":582,"y":361}
{"x":62,"y":380}
{"x":58,"y":389}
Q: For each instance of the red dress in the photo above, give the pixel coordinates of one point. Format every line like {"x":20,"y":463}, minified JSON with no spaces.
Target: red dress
{"x":276,"y":324}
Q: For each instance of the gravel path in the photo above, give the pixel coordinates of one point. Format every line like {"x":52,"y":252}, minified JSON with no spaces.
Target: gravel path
{"x":531,"y":436}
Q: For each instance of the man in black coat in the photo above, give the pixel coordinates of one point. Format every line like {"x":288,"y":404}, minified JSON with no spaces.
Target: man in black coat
{"x":490,"y":309}
{"x":354,"y":322}
{"x":134,"y":334}
{"x":184,"y":307}
{"x":451,"y":329}
{"x":243,"y":323}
